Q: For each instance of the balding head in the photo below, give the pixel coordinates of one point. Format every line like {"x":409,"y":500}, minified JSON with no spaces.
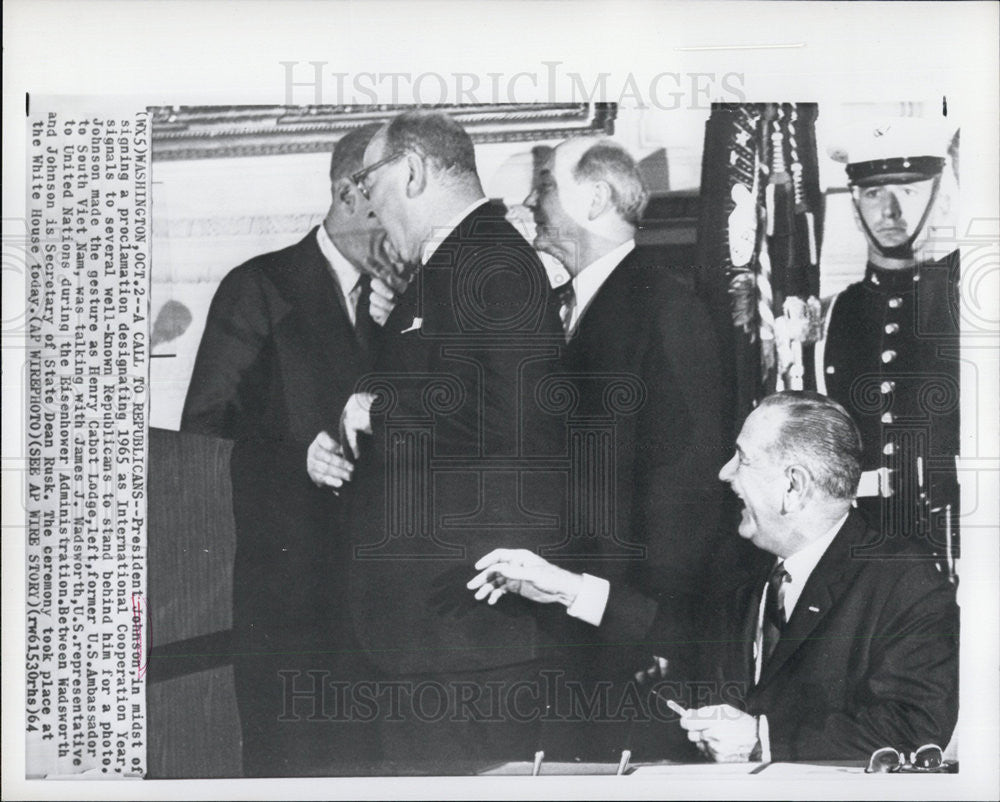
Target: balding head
{"x":419,"y":173}
{"x":817,"y":432}
{"x":796,"y":469}
{"x":445,"y":145}
{"x":607,"y":161}
{"x":587,"y":200}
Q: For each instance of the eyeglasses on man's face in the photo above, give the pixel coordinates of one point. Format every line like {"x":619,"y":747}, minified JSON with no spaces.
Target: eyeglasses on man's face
{"x":360,"y":178}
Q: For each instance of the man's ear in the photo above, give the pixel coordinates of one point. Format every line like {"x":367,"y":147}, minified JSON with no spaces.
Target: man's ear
{"x":416,"y":180}
{"x":600,"y":199}
{"x":345,"y":193}
{"x":798,"y":488}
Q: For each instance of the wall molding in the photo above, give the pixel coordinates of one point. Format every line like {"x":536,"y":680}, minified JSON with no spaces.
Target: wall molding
{"x":211,"y":132}
{"x":247,"y":225}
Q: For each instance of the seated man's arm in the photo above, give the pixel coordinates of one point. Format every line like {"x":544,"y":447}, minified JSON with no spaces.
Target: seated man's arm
{"x":584,"y":596}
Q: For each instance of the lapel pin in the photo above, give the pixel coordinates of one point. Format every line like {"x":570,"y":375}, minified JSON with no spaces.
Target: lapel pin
{"x":416,"y":324}
{"x":813,"y":609}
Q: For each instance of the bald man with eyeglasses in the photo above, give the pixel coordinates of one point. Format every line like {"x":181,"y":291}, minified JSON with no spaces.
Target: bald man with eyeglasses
{"x":448,"y":434}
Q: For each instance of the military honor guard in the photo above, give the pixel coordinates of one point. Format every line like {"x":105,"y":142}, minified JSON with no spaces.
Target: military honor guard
{"x":890,"y":353}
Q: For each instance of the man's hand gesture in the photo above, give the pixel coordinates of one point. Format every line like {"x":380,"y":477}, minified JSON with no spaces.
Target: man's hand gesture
{"x":525,"y":573}
{"x":356,"y":419}
{"x":326,"y":462}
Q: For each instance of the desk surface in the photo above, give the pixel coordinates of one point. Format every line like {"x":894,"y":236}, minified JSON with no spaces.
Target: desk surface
{"x":681,"y":771}
{"x":829,"y":768}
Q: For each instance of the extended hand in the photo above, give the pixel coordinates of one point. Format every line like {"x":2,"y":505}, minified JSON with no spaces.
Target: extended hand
{"x":356,"y":418}
{"x":382,"y":301}
{"x":721,"y":732}
{"x":326,"y":463}
{"x":525,"y":573}
{"x":390,"y":278}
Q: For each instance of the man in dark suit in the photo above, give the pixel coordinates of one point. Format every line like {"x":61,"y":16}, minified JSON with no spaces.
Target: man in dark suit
{"x":641,"y":355}
{"x":457,"y":436}
{"x":288,"y":334}
{"x":826,"y":655}
{"x":832,"y":655}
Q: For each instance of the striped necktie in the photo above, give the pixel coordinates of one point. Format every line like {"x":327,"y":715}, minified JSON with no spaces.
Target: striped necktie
{"x":774,"y":608}
{"x":567,"y":301}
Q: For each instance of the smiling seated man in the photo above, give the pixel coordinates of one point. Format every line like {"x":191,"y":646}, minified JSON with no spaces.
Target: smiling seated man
{"x":830,"y":656}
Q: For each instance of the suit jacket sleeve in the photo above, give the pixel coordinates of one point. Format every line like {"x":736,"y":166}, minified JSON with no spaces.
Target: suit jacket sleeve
{"x":229,"y":393}
{"x":679,"y":495}
{"x":909,"y":696}
{"x":223,"y":388}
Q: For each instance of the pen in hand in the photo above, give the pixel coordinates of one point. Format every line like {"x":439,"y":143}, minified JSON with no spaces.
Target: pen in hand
{"x":680,"y":711}
{"x":675,"y":706}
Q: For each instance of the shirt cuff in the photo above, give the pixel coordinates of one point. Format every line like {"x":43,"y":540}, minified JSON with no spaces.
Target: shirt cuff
{"x":590,"y":602}
{"x":764,"y":738}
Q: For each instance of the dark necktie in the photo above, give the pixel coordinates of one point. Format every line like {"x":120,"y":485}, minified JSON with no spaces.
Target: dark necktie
{"x":365,"y":329}
{"x":774,"y":608}
{"x":567,"y":302}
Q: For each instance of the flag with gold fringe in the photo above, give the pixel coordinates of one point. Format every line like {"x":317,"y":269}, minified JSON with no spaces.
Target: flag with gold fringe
{"x":759,"y":237}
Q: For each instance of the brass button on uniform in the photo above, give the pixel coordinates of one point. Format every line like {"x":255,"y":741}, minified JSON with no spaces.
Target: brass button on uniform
{"x":887,"y":387}
{"x":891,"y":328}
{"x":888,"y":356}
{"x":887,"y":417}
{"x":895,"y":302}
{"x":889,"y":449}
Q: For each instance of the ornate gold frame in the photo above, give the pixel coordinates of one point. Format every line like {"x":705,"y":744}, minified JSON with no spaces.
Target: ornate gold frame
{"x":211,"y":132}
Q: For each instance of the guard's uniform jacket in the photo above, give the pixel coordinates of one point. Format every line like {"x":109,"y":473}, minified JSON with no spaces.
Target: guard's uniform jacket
{"x":891,"y":357}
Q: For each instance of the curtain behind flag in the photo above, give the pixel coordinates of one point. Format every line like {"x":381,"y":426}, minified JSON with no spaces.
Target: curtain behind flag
{"x":759,"y":234}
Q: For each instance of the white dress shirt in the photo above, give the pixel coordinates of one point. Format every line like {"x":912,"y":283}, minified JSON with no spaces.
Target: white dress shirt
{"x":800,"y":567}
{"x":588,"y":281}
{"x":591,"y":601}
{"x":347,"y":275}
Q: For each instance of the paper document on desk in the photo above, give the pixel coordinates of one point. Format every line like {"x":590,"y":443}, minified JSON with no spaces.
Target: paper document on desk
{"x":805,"y":769}
{"x":698,"y":769}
